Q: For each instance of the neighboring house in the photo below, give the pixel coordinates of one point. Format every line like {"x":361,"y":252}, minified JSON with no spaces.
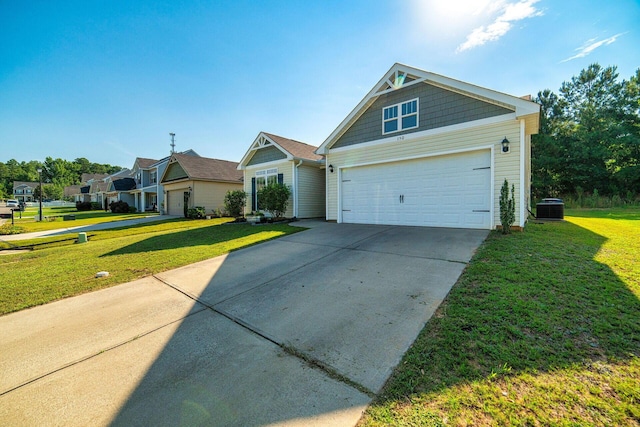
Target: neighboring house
{"x":427,"y":150}
{"x":149,"y":191}
{"x":23,"y":191}
{"x":272,"y":158}
{"x":191,"y":181}
{"x":116,"y":187}
{"x":145,"y":174}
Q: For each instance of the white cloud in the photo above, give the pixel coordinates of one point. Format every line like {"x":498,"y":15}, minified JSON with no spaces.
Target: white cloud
{"x":510,"y":12}
{"x":590,"y":46}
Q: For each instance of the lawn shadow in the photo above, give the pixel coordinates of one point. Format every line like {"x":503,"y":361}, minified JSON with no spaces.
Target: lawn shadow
{"x":208,"y":235}
{"x":534,"y":302}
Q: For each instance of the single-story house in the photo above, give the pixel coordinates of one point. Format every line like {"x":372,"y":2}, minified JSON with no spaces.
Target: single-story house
{"x":190,"y":181}
{"x":427,"y":150}
{"x":272,"y":158}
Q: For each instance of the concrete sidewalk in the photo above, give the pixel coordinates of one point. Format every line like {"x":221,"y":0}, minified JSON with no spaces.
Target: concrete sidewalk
{"x":302,"y":330}
{"x":84,"y":228}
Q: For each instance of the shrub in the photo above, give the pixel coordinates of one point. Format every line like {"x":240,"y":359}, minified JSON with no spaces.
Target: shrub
{"x":83,"y":206}
{"x":119,"y":207}
{"x":507,"y":207}
{"x":96,"y":206}
{"x":234,"y":202}
{"x":132,"y":209}
{"x":274,"y":198}
{"x":197,"y":212}
{"x":7,"y":229}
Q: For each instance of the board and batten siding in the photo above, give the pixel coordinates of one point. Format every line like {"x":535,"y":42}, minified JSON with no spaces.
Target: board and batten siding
{"x":285,"y":168}
{"x":468,"y":139}
{"x":311,"y":192}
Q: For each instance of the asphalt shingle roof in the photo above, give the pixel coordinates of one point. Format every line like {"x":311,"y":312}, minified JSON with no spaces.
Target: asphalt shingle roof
{"x":204,"y":168}
{"x":296,"y":148}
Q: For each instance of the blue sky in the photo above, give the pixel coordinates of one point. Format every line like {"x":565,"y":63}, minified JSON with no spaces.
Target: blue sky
{"x":109,"y":80}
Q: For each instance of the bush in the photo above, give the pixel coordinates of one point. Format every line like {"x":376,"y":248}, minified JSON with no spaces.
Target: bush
{"x":7,"y":229}
{"x":197,"y":212}
{"x":234,"y":203}
{"x":132,"y":209}
{"x":83,"y":206}
{"x":119,"y":207}
{"x":507,"y":207}
{"x":274,"y":198}
{"x":96,"y":206}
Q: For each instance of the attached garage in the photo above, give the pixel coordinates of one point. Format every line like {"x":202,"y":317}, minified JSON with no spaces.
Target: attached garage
{"x":422,"y":149}
{"x":441,"y":191}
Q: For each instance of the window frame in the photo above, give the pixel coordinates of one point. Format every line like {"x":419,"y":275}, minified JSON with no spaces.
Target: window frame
{"x":399,"y":116}
{"x":266,"y":174}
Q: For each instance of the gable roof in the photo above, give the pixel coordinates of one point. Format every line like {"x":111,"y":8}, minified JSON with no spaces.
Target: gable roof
{"x":401,"y":76}
{"x":294,"y":150}
{"x":204,"y":168}
{"x":86,"y":177}
{"x":17,"y":184}
{"x":144,"y":163}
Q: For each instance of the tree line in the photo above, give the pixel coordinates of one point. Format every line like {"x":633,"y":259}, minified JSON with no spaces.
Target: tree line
{"x":56,"y":174}
{"x":589,"y":139}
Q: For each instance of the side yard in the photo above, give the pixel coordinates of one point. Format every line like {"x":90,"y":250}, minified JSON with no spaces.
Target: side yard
{"x":61,"y":268}
{"x":543,"y":328}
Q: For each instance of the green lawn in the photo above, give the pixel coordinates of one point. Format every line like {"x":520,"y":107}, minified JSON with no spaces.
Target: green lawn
{"x":28,"y":223}
{"x":542,"y":329}
{"x":61,"y":268}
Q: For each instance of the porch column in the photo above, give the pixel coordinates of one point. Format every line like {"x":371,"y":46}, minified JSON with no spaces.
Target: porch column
{"x":142,"y":201}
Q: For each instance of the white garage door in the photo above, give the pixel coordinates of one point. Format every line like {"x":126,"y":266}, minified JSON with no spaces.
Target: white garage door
{"x":444,"y":191}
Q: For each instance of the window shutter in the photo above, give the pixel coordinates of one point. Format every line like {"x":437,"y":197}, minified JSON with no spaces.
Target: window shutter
{"x":253,"y":194}
{"x":280,"y":178}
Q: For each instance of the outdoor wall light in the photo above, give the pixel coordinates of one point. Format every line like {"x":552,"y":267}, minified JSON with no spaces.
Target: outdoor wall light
{"x":505,"y":145}
{"x":331,"y":168}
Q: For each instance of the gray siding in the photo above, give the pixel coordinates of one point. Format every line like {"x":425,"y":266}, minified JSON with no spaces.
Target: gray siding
{"x":266,"y":154}
{"x":437,"y":108}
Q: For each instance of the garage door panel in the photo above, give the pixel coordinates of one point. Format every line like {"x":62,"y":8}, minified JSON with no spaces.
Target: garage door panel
{"x":446,"y":191}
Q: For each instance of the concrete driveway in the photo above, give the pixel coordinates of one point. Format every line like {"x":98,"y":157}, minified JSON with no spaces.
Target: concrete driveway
{"x":302,"y":330}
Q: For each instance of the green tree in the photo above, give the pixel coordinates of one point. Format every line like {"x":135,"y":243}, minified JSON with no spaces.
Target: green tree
{"x":589,"y":135}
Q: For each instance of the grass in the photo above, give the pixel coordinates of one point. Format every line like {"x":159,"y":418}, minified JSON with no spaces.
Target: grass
{"x":29,"y":224}
{"x":542,"y":329}
{"x":59,"y":268}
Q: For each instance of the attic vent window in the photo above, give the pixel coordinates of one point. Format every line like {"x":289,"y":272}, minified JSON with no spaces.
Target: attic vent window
{"x":400,"y":116}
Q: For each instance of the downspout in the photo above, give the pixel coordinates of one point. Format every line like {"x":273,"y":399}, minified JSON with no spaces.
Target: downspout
{"x":296,"y":175}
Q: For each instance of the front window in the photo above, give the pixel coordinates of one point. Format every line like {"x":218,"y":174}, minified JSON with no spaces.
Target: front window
{"x":264,"y":178}
{"x":400,"y":116}
{"x":153,"y":177}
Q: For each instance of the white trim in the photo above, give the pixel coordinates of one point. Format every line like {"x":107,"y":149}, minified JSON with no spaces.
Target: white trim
{"x":522,"y":107}
{"x":493,"y":187}
{"x":522,"y":168}
{"x":400,"y":116}
{"x":261,"y":141}
{"x":430,"y":132}
{"x":265,"y":166}
{"x":419,"y":156}
{"x":339,"y":216}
